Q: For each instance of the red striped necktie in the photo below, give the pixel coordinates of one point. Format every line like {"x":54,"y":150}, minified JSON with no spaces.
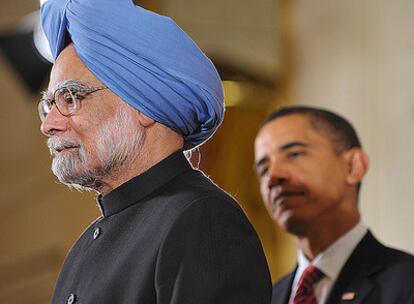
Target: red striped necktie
{"x":304,"y":293}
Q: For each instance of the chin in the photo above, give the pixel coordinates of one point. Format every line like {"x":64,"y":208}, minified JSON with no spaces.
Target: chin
{"x":293,"y":225}
{"x":73,"y":173}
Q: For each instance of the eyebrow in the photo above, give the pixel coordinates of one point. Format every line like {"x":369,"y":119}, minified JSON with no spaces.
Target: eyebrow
{"x":260,"y":162}
{"x":45,"y":95}
{"x":69,"y":83}
{"x":283,"y":147}
{"x":292,"y":145}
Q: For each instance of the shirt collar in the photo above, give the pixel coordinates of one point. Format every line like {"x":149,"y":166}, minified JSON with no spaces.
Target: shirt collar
{"x":331,"y":261}
{"x":142,"y":185}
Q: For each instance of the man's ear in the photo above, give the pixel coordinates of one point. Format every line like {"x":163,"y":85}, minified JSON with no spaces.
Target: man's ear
{"x":357,"y":161}
{"x":144,"y":120}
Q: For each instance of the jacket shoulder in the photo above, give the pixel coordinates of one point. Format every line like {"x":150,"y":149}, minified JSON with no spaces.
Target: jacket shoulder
{"x":396,"y":256}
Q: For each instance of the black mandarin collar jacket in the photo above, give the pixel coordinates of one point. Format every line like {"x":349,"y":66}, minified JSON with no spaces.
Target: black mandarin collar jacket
{"x":170,"y":236}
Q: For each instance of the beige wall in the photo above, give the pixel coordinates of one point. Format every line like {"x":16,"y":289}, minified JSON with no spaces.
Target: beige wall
{"x":39,"y":219}
{"x":357,"y":57}
{"x":235,"y":32}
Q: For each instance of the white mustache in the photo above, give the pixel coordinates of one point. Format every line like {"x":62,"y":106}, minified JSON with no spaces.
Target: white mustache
{"x":58,"y":144}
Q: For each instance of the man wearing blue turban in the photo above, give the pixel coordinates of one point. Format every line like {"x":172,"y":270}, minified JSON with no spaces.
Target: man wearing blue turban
{"x":129,"y":92}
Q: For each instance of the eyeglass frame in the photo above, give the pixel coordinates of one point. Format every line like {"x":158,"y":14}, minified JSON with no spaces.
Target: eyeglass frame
{"x":77,"y":91}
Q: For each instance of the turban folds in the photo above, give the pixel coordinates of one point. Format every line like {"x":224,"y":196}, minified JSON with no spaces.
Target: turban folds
{"x":144,"y":58}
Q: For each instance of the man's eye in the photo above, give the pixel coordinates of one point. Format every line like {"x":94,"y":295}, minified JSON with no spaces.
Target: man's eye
{"x":262,"y":171}
{"x":295,"y":154}
{"x":68,"y":98}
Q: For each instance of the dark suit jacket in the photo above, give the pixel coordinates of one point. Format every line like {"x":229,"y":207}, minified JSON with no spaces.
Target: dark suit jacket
{"x":168,"y":236}
{"x":375,"y":273}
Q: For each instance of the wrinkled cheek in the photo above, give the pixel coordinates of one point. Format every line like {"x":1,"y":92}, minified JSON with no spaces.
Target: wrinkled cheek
{"x":87,"y":153}
{"x":103,"y":144}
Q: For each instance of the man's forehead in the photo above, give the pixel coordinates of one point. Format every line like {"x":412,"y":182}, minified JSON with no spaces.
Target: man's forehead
{"x":284,"y":133}
{"x":288,"y":128}
{"x":294,"y":123}
{"x":289,"y":131}
{"x":267,"y":144}
{"x":69,"y":67}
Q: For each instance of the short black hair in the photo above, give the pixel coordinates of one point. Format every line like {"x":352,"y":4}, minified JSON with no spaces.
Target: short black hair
{"x":336,"y":128}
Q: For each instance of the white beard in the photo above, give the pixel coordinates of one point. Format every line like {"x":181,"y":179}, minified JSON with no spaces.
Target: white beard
{"x":117,"y":144}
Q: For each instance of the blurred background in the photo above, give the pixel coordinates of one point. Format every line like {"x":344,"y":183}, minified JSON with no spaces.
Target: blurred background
{"x":355,"y":57}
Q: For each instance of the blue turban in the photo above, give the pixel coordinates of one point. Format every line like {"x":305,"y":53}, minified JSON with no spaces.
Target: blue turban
{"x":144,"y":58}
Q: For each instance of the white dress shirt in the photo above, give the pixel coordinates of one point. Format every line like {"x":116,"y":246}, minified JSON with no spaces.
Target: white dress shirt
{"x":330,"y":262}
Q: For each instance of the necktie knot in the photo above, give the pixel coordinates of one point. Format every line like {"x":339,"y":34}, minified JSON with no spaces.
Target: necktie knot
{"x":304,"y":292}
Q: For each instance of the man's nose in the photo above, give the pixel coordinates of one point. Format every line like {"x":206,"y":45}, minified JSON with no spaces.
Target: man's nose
{"x":278,"y":174}
{"x":53,"y":123}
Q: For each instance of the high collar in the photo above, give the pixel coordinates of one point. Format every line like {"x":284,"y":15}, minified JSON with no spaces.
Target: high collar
{"x":134,"y":190}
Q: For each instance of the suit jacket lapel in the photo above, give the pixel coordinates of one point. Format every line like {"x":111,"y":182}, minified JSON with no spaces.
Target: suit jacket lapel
{"x":282,"y":290}
{"x":354,"y":284}
{"x":361,"y":290}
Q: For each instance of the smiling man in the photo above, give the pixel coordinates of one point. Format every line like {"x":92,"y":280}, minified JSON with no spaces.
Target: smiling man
{"x":129,"y":92}
{"x":310,"y":165}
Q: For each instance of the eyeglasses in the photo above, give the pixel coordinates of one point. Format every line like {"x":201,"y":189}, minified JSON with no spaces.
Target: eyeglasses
{"x":67,"y":100}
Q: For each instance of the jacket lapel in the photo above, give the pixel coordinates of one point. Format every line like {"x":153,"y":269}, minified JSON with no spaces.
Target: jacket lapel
{"x":359,"y":291}
{"x":281,"y":290}
{"x":354,"y":285}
